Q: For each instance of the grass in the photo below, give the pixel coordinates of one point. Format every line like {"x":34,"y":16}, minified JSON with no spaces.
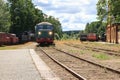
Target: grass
{"x":73,"y":51}
{"x":8,"y":47}
{"x":101,"y":56}
{"x":5,"y":47}
{"x":81,"y":52}
{"x":76,"y":51}
{"x":67,"y":41}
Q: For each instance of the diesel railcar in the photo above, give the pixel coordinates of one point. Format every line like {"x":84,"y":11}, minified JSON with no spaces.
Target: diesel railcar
{"x":83,"y":37}
{"x":44,"y":33}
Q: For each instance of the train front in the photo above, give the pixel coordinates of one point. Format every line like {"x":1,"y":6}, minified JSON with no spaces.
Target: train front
{"x":44,"y":33}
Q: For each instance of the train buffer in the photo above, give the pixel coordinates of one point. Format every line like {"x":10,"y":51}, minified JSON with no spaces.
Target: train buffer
{"x":24,"y":64}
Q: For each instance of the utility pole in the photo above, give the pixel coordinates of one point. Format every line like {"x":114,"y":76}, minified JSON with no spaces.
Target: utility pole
{"x":109,"y":14}
{"x":109,"y":19}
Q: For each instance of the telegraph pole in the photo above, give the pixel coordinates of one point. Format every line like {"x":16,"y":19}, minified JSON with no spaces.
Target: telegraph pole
{"x":109,"y":19}
{"x":109,"y":14}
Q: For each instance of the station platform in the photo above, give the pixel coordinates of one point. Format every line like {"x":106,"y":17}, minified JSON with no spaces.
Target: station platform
{"x":24,"y":64}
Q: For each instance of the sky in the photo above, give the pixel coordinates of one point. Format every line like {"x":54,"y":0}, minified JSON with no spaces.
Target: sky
{"x":72,"y":14}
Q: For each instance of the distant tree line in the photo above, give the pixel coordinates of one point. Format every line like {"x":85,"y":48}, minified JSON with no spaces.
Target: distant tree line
{"x":71,"y":34}
{"x":17,"y":16}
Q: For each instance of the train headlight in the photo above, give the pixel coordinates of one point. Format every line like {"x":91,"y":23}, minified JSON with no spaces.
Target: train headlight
{"x":50,"y":33}
{"x":39,"y":33}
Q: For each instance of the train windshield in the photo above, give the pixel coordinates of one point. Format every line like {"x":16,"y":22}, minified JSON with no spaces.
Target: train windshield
{"x":45,"y":27}
{"x":83,"y":35}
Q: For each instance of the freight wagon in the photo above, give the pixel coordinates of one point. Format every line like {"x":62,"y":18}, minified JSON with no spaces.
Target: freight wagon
{"x":7,"y":38}
{"x":13,"y":38}
{"x":92,"y":37}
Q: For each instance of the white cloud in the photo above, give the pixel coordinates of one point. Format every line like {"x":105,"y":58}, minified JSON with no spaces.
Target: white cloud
{"x":73,"y":15}
{"x":43,"y":1}
{"x":73,"y":26}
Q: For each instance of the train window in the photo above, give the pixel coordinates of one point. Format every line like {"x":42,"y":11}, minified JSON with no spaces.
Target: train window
{"x":44,"y":27}
{"x":40,"y":27}
{"x":49,"y":27}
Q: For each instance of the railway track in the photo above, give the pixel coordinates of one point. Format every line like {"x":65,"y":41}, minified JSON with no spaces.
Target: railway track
{"x":78,"y":66}
{"x":65,"y":67}
{"x":110,"y":52}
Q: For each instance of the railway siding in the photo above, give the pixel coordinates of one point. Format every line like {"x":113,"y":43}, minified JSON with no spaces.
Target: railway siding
{"x":60,"y":71}
{"x":45,"y":72}
{"x":111,"y":62}
{"x":91,"y":73}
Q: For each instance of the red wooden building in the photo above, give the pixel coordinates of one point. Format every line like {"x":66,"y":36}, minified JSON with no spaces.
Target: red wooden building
{"x":113,"y":33}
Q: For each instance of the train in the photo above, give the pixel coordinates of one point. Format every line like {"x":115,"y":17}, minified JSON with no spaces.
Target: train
{"x":44,"y":33}
{"x":83,"y":37}
{"x":8,"y":38}
{"x":11,"y":38}
{"x":92,"y":37}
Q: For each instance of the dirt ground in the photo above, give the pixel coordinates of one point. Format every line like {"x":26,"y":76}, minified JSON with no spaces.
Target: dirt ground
{"x":109,"y":61}
{"x":19,"y":46}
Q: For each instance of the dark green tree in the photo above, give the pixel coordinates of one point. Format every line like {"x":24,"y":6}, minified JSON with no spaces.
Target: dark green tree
{"x":39,"y":16}
{"x":56,"y":24}
{"x":24,"y":15}
{"x":95,"y":27}
{"x":4,"y":17}
{"x":102,"y":9}
{"x":87,"y":28}
{"x":108,"y":10}
{"x":115,"y":10}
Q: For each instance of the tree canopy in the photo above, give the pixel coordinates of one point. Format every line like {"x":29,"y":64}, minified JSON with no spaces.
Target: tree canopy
{"x":108,"y":10}
{"x":56,"y":24}
{"x":4,"y":17}
{"x":24,"y":16}
{"x":95,"y":27}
